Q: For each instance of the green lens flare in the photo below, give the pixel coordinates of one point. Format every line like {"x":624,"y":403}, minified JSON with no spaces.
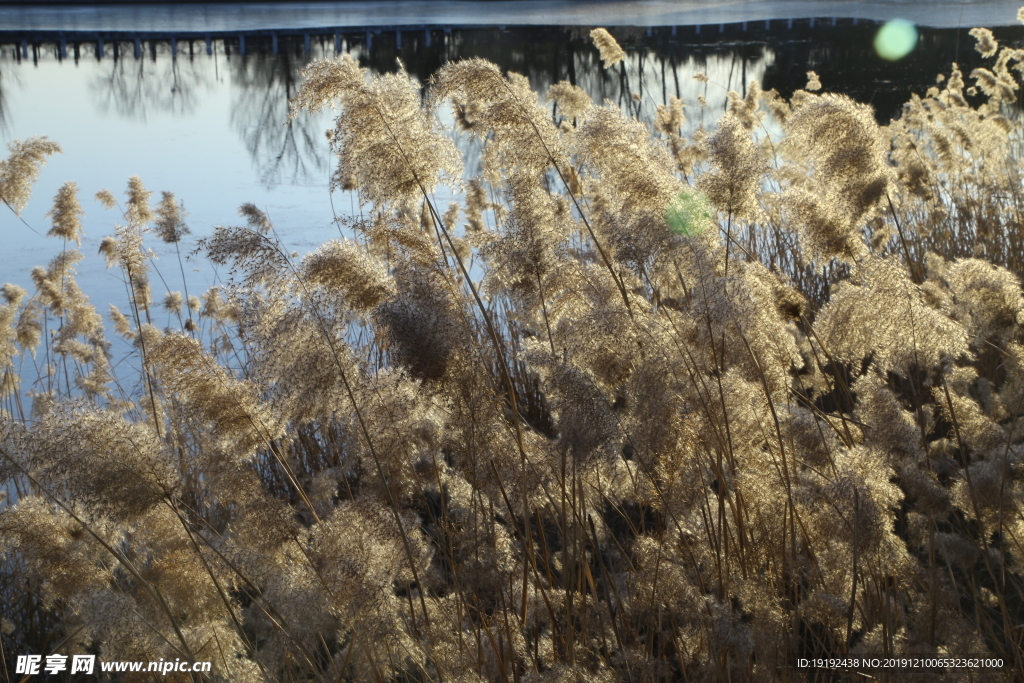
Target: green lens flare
{"x":896,"y":39}
{"x":688,"y":214}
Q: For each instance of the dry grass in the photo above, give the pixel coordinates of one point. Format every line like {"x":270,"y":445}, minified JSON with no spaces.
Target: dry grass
{"x":639,"y":408}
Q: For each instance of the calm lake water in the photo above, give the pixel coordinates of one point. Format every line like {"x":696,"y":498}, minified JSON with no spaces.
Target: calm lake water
{"x":198,"y":106}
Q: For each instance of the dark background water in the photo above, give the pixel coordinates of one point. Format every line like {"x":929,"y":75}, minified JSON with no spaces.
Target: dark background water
{"x":840,"y":50}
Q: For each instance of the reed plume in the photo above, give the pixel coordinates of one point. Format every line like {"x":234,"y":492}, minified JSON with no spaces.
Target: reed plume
{"x":635,"y":405}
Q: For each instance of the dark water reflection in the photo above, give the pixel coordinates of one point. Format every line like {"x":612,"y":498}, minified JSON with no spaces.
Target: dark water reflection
{"x":140,"y":77}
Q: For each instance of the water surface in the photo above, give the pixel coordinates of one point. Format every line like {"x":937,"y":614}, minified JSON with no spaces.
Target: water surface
{"x":203,"y":113}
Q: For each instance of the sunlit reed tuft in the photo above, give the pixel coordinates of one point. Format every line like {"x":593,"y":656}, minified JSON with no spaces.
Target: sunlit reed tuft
{"x":635,"y":404}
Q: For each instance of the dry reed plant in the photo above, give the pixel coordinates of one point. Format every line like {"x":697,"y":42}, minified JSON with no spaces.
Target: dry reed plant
{"x":637,"y":408}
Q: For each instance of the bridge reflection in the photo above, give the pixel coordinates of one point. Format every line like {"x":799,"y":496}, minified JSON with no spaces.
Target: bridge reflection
{"x":116,"y":44}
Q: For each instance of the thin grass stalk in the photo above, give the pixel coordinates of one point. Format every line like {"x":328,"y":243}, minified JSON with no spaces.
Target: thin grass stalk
{"x":366,"y":434}
{"x":983,"y":535}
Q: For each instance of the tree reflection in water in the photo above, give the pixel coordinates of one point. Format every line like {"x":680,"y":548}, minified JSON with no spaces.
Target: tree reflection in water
{"x":661,"y":63}
{"x":9,"y":79}
{"x":134,"y":87}
{"x":5,"y":83}
{"x":284,"y":151}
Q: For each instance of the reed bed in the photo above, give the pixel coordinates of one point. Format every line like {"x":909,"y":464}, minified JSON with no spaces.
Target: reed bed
{"x":636,"y":407}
